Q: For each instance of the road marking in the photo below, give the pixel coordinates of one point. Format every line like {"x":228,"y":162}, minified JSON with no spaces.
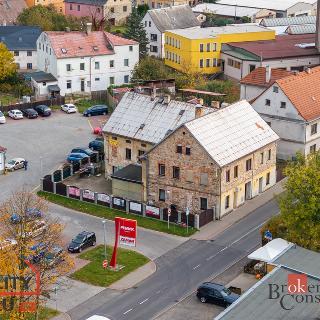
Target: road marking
{"x":90,"y":124}
{"x":158,"y":291}
{"x":127,"y":311}
{"x":144,"y":301}
{"x":196,"y":267}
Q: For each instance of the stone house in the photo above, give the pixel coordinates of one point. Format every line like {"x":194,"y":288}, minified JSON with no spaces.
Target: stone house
{"x":216,"y":161}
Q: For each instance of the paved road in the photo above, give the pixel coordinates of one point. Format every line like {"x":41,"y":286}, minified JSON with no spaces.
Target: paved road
{"x":180,"y":271}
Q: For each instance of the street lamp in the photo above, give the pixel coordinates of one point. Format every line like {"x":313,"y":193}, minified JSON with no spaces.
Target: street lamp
{"x":169,"y":208}
{"x":104,"y":238}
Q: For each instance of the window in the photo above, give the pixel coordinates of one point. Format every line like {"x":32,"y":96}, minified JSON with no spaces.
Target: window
{"x":39,"y":46}
{"x":112,"y":9}
{"x":29,"y":65}
{"x":97,"y":65}
{"x":268,"y":178}
{"x":141,"y":153}
{"x":149,"y":23}
{"x":230,"y":62}
{"x":29,"y":53}
{"x":111,"y":80}
{"x":261,"y":158}
{"x":188,"y":151}
{"x":313,"y":148}
{"x":269,"y":124}
{"x":235,"y":172}
{"x":176,"y":173}
{"x":16,"y":53}
{"x":214,"y":62}
{"x":314,"y":128}
{"x":153,"y":37}
{"x":98,"y":10}
{"x":128,"y":154}
{"x":162,"y":195}
{"x":126,"y":79}
{"x":130,"y":48}
{"x":179,"y":148}
{"x":251,"y":67}
{"x":204,"y":179}
{"x":68,"y":67}
{"x":228,"y":176}
{"x":248,"y":164}
{"x":275,"y":89}
{"x":268,"y":102}
{"x":201,"y":63}
{"x":201,"y":47}
{"x":18,"y":65}
{"x":70,"y":7}
{"x":82,"y":66}
{"x":208,"y":63}
{"x":68,"y":84}
{"x":111,"y":63}
{"x":227,"y":202}
{"x":145,"y":23}
{"x":126,"y":62}
{"x":78,"y":7}
{"x":44,"y":83}
{"x":128,"y":141}
{"x":96,"y":79}
{"x":162,"y":170}
{"x":269,"y":154}
{"x":125,"y":8}
{"x":214,"y":47}
{"x":114,"y":138}
{"x":203,"y":203}
{"x":143,"y":145}
{"x":283,"y":105}
{"x":208,"y":47}
{"x":155,"y":49}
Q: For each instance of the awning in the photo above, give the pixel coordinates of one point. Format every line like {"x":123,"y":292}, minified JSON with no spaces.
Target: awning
{"x":54,"y":88}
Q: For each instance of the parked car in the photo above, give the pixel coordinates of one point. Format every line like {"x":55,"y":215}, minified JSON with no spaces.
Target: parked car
{"x":69,"y":108}
{"x":96,"y":110}
{"x":216,"y":293}
{"x":30,"y":113}
{"x":76,"y":157}
{"x":53,"y":257}
{"x":97,"y":144}
{"x":2,"y":118}
{"x":95,"y":317}
{"x":37,"y":252}
{"x":36,"y":229}
{"x":43,"y":110}
{"x":15,"y":164}
{"x":83,"y":240}
{"x":7,"y":243}
{"x":15,"y":114}
{"x":84,"y":150}
{"x":31,"y":214}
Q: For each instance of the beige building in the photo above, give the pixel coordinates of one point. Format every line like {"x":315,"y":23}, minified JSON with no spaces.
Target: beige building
{"x":154,"y":4}
{"x":216,"y":161}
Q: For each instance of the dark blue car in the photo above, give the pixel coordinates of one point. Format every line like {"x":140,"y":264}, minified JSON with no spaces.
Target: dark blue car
{"x":85,"y":150}
{"x":76,"y":157}
{"x":96,"y":110}
{"x":31,"y":213}
{"x":97,"y":145}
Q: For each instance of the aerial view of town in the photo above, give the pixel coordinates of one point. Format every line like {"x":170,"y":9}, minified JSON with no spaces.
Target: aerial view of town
{"x":159,"y":159}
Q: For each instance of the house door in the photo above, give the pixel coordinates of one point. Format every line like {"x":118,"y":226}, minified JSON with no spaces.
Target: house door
{"x":261,"y":185}
{"x":82,"y":85}
{"x":222,"y":65}
{"x":248,"y":190}
{"x":235,"y":196}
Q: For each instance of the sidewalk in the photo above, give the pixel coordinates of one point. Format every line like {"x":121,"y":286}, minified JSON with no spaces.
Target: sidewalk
{"x":214,"y":228}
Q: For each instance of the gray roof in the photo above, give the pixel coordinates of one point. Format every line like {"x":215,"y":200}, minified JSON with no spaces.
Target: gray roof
{"x":255,"y":303}
{"x":41,"y":76}
{"x":20,"y":37}
{"x":130,"y":173}
{"x":301,"y":29}
{"x":89,"y":2}
{"x":10,"y":9}
{"x":232,"y":132}
{"x":176,"y":17}
{"x":138,"y":117}
{"x":274,"y":22}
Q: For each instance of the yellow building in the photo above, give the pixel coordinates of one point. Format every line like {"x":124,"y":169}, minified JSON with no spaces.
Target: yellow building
{"x":198,"y":49}
{"x":58,"y":4}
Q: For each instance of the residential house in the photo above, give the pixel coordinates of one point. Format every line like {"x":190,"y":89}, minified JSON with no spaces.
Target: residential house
{"x":154,"y":4}
{"x":22,"y":42}
{"x":291,"y":108}
{"x":115,"y":11}
{"x":137,"y":124}
{"x":292,"y":52}
{"x":157,"y":21}
{"x":86,"y":61}
{"x":216,"y":161}
{"x":198,"y":50}
{"x":2,"y":159}
{"x":259,"y":80}
{"x":58,"y":4}
{"x":10,"y":9}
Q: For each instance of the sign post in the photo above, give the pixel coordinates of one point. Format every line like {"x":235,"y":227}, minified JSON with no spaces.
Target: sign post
{"x":169,"y":214}
{"x":187,"y":215}
{"x":105,"y":264}
{"x":268,"y":235}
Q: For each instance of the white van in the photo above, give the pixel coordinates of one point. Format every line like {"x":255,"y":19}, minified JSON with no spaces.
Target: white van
{"x":2,"y":118}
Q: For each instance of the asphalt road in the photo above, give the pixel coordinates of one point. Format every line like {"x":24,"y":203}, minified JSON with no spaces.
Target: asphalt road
{"x":180,"y":271}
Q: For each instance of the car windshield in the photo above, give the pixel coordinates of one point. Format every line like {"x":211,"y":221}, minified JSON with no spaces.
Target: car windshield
{"x":78,"y":239}
{"x":12,"y":162}
{"x":18,"y":112}
{"x":225,"y":292}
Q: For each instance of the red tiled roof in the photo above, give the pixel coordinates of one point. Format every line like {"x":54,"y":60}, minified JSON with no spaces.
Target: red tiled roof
{"x":258,"y":77}
{"x":281,"y":47}
{"x":80,"y":44}
{"x":303,"y":90}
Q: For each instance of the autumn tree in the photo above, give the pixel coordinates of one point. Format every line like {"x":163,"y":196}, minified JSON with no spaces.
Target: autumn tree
{"x":36,"y":238}
{"x":7,"y":65}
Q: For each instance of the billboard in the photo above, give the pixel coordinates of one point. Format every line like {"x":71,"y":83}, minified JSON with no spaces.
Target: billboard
{"x":127,"y":232}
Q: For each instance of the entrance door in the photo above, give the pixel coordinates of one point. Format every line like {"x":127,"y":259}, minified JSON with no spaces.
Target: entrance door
{"x":82,"y":85}
{"x":261,"y":185}
{"x":248,"y":190}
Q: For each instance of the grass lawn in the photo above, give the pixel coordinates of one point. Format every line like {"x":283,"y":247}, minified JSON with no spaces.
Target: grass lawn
{"x":110,"y":214}
{"x":116,"y":29}
{"x":95,"y":274}
{"x":84,"y":104}
{"x":7,"y":99}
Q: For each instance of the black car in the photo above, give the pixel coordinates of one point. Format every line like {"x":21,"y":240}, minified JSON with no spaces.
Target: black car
{"x":96,"y":110}
{"x":97,"y":144}
{"x":30,"y":113}
{"x":43,"y":110}
{"x":83,"y":240}
{"x":216,"y":293}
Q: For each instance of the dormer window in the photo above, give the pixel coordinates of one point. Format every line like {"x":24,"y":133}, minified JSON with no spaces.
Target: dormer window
{"x":63,"y":50}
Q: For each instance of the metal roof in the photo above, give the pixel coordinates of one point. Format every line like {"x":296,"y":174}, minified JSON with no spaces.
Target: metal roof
{"x":288,"y":21}
{"x":130,"y":173}
{"x":301,"y":29}
{"x":40,"y":76}
{"x":231,"y":133}
{"x":138,"y":117}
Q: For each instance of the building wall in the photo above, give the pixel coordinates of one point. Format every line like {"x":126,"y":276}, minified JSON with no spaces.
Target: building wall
{"x":182,"y":53}
{"x":23,"y":60}
{"x":58,"y":4}
{"x":41,"y":88}
{"x":300,"y":8}
{"x":153,"y":4}
{"x":117,"y":11}
{"x":83,"y":10}
{"x":128,"y":190}
{"x":248,"y":92}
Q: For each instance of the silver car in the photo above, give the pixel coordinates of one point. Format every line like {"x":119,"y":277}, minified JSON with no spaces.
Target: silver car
{"x":15,"y":164}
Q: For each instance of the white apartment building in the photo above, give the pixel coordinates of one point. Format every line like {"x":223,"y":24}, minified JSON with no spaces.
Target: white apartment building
{"x":87,"y":61}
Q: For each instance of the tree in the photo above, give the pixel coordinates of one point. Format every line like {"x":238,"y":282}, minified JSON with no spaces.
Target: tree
{"x":136,"y":31}
{"x":19,"y":220}
{"x":142,"y":9}
{"x":216,"y":21}
{"x":8,"y":67}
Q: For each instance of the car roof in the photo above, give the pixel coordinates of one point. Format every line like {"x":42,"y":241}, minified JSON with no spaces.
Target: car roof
{"x":78,"y":153}
{"x":17,"y":159}
{"x":69,"y":104}
{"x":95,"y":317}
{"x":15,"y":110}
{"x":212,"y":285}
{"x":86,"y":233}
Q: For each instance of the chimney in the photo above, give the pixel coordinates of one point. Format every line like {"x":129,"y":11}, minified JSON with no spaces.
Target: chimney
{"x":268,"y":74}
{"x":67,"y":29}
{"x":89,"y":28}
{"x":199,"y":112}
{"x":215,"y":104}
{"x":318,"y":27}
{"x":167,"y":99}
{"x":308,"y":70}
